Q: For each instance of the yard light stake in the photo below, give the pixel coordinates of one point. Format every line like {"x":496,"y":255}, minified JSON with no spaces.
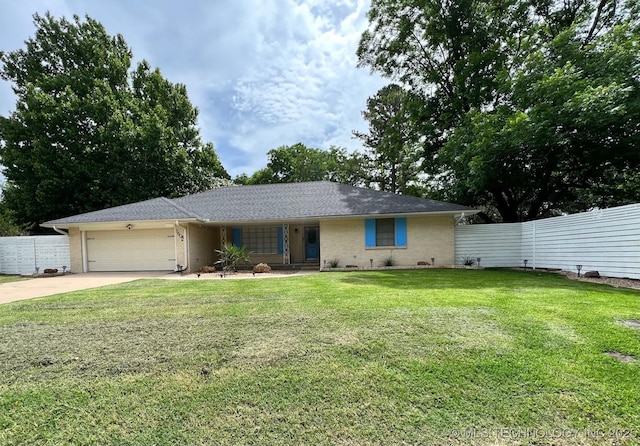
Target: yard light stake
{"x":525,"y":263}
{"x":371,"y":262}
{"x":578,"y":267}
{"x":478,"y":260}
{"x":433,"y":261}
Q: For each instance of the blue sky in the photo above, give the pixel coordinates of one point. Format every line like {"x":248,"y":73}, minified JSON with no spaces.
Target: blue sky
{"x":263,"y":73}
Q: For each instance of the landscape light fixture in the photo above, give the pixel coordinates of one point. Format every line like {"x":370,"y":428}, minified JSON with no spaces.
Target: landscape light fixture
{"x":525,"y":263}
{"x":578,"y":267}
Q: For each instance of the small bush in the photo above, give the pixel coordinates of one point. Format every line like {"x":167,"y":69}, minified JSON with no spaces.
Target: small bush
{"x":468,"y":261}
{"x":231,"y":256}
{"x":333,"y":263}
{"x":388,"y":261}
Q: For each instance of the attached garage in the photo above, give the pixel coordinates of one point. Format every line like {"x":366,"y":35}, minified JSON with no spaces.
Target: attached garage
{"x":131,"y":250}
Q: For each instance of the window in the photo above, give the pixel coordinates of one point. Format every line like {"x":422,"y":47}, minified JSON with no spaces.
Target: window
{"x":381,"y":232}
{"x":385,"y":232}
{"x":259,"y":239}
{"x":312,"y":237}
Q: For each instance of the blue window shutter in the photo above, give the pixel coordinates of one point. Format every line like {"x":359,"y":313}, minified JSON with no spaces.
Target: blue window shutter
{"x":236,"y":237}
{"x":370,"y":233}
{"x":401,"y":231}
{"x":280,"y":240}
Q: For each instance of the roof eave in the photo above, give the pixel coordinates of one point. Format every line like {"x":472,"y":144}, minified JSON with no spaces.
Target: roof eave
{"x":84,"y":225}
{"x":402,"y":214}
{"x":283,"y":220}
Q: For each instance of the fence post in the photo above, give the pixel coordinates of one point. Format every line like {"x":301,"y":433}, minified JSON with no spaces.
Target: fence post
{"x":534,"y":244}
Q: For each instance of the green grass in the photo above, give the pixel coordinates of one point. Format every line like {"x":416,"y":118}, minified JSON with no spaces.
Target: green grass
{"x":403,"y":357}
{"x":7,"y":279}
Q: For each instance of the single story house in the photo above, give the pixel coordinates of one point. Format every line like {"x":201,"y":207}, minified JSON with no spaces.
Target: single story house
{"x":298,"y":223}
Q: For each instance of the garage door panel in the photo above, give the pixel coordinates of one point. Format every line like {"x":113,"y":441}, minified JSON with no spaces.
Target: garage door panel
{"x":131,"y":250}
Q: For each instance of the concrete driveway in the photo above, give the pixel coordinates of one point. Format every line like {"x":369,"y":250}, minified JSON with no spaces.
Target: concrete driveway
{"x":47,"y":286}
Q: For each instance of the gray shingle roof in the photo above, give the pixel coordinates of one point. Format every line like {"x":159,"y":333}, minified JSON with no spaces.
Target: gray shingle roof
{"x":269,"y":202}
{"x":155,"y":209}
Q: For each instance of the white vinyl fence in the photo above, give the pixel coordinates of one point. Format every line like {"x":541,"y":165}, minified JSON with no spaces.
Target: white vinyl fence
{"x":22,"y":255}
{"x":606,"y":240}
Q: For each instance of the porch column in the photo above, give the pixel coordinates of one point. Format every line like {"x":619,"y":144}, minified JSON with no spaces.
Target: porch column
{"x":286,"y":253}
{"x":223,"y":236}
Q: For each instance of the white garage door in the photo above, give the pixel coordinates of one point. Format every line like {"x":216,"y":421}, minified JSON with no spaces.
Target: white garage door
{"x":134,"y":250}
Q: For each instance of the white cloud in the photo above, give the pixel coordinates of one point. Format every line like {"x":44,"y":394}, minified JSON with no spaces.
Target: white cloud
{"x":262,"y":73}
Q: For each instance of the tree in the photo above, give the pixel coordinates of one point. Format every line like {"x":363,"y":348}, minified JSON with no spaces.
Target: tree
{"x":298,"y":163}
{"x":87,"y":134}
{"x":392,"y":158}
{"x":528,"y":108}
{"x":346,"y":168}
{"x":241,"y":180}
{"x":8,"y":226}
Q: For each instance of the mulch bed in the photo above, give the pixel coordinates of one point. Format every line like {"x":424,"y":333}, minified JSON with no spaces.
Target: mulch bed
{"x":613,"y":281}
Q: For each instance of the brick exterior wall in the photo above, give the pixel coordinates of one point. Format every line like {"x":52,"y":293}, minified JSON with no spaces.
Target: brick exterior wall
{"x":203,"y":242}
{"x":427,"y":237}
{"x":75,"y":249}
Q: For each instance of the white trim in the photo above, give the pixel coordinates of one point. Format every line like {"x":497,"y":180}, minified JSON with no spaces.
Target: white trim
{"x":85,"y":258}
{"x":121,"y":224}
{"x":313,"y":220}
{"x":185,"y":242}
{"x":168,"y":223}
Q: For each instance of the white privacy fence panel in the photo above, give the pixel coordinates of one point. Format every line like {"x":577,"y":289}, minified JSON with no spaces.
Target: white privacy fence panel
{"x":607,"y":241}
{"x":21,"y":255}
{"x":497,"y":245}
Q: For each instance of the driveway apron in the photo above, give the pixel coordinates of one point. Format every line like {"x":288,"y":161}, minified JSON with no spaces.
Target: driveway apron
{"x":48,"y":286}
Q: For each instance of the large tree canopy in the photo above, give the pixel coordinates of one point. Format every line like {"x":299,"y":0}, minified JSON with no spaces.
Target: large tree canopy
{"x":392,"y":154}
{"x":298,"y":163}
{"x":528,"y":108}
{"x":87,"y":133}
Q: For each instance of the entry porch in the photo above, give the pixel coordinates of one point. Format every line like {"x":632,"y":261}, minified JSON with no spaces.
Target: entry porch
{"x":279,"y":245}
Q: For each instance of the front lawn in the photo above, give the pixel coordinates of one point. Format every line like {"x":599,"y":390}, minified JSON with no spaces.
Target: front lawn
{"x":402,"y":357}
{"x":8,"y":278}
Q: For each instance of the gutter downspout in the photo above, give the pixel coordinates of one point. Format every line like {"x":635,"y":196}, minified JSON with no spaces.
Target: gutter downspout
{"x":186,"y":247}
{"x":60,"y":231}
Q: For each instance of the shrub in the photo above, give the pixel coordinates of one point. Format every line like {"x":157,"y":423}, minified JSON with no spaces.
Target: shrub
{"x":231,"y":256}
{"x":388,"y":261}
{"x":468,"y":260}
{"x":333,"y":263}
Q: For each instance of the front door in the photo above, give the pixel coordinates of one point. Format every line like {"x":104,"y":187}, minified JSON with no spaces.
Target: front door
{"x":312,"y":243}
